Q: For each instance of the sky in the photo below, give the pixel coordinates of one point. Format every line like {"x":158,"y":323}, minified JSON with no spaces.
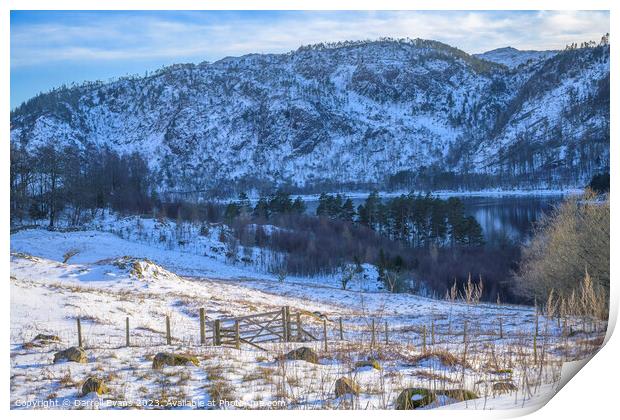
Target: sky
{"x":51,"y":48}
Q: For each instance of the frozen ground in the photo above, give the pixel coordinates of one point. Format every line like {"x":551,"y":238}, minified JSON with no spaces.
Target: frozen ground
{"x":105,"y":279}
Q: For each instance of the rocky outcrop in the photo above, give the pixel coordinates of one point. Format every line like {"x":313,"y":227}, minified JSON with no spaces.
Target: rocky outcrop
{"x":412,"y":398}
{"x":93,"y":384}
{"x":72,"y":354}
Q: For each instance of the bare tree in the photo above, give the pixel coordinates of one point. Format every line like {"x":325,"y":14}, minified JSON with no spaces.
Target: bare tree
{"x":572,"y":240}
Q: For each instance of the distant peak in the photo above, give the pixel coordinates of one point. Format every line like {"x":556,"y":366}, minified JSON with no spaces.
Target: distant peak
{"x":503,"y":49}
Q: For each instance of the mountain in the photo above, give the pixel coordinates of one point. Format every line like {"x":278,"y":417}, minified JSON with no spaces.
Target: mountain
{"x":380,"y":112}
{"x":512,"y":57}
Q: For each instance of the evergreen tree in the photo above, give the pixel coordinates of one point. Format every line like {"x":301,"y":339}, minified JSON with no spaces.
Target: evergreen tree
{"x":348,"y":212}
{"x":298,"y":207}
{"x":232,"y":212}
{"x":245,"y":207}
{"x":261,"y":210}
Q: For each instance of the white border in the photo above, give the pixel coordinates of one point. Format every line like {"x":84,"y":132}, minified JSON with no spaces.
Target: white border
{"x":591,"y":394}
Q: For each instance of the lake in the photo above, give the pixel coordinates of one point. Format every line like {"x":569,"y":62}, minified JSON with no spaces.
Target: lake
{"x":511,"y":216}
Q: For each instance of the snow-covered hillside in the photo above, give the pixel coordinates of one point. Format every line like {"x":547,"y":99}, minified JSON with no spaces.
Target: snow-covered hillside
{"x":103,"y":279}
{"x":354,"y":112}
{"x":513,"y":58}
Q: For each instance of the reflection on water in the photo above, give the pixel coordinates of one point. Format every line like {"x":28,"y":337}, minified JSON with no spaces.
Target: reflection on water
{"x":511,"y":217}
{"x":500,"y":217}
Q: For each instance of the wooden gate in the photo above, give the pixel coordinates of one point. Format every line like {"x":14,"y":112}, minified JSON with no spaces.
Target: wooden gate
{"x":266,"y":327}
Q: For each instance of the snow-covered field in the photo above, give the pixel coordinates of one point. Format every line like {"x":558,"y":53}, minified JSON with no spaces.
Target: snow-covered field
{"x":103,"y":279}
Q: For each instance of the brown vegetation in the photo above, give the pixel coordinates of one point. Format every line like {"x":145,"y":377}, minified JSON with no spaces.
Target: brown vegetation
{"x":569,"y":244}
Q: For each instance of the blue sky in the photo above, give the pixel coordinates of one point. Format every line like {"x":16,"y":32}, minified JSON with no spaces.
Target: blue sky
{"x":49,"y":48}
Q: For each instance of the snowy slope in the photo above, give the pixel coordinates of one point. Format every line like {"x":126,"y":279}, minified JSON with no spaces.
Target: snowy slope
{"x":513,"y":58}
{"x":102,"y":287}
{"x":356,"y":112}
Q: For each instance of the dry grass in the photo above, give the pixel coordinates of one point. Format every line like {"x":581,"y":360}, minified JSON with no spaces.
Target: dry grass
{"x":221,"y":390}
{"x":445,"y":358}
{"x":433,"y":376}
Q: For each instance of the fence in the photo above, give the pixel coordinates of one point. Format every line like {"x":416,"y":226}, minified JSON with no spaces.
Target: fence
{"x":283,"y":325}
{"x":275,"y":326}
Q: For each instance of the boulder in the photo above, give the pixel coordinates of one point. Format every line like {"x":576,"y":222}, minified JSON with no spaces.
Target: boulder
{"x":346,"y":386}
{"x":368,"y":363}
{"x":303,"y":353}
{"x":171,"y":359}
{"x":72,"y":354}
{"x":412,"y":398}
{"x":93,"y":384}
{"x":504,"y":386}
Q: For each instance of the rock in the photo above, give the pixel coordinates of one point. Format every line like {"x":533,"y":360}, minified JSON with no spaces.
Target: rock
{"x":303,"y":353}
{"x":346,"y":386}
{"x":47,"y":337}
{"x":368,"y":363}
{"x":92,"y":384}
{"x":504,"y":386}
{"x":42,"y":340}
{"x":170,"y":359}
{"x":412,"y":398}
{"x":72,"y":354}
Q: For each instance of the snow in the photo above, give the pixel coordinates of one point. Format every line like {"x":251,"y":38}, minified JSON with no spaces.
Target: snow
{"x":513,"y":58}
{"x":356,"y":115}
{"x":109,"y":278}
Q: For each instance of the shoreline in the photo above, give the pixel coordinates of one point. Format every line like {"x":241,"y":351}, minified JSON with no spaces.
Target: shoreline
{"x":451,"y":193}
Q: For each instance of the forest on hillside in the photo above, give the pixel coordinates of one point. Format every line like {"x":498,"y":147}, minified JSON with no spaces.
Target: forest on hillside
{"x":419,"y":243}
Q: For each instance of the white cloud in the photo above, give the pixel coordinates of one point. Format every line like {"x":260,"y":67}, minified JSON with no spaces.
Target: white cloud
{"x":168,"y":37}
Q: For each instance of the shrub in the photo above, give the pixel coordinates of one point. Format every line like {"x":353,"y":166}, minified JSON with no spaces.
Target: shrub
{"x":571,"y":241}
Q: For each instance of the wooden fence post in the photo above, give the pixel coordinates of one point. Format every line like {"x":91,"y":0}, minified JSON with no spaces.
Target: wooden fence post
{"x":325,"y":334}
{"x":203,"y":338}
{"x":79,"y":331}
{"x":424,"y":339}
{"x":127,"y":331}
{"x":237,"y":336}
{"x":387,"y":340}
{"x":465,"y":331}
{"x":501,"y":328}
{"x":372,"y":334}
{"x":168,"y":335}
{"x":299,"y":328}
{"x":216,"y":333}
{"x":287,"y":311}
{"x":284,"y":332}
{"x":341,"y":330}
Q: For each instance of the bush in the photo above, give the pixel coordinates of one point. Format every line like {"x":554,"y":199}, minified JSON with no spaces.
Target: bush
{"x":571,"y":241}
{"x":600,"y":183}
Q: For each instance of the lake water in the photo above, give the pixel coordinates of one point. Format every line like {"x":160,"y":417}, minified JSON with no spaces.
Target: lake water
{"x":499,"y":216}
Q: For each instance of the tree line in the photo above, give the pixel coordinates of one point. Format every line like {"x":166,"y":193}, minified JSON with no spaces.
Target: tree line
{"x":77,"y":183}
{"x":418,"y":242}
{"x":418,"y":220}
